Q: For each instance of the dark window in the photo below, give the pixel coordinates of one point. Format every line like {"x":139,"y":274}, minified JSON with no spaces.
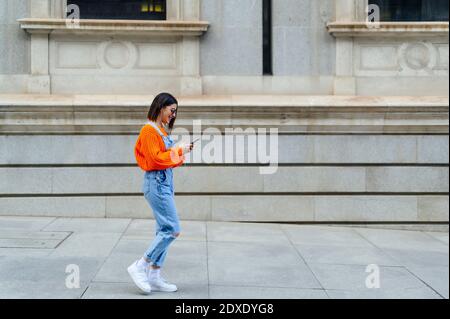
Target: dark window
{"x":267,"y":37}
{"x":121,"y":9}
{"x":412,"y":10}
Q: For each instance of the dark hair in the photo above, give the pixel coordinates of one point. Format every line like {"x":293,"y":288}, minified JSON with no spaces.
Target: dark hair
{"x":159,"y":102}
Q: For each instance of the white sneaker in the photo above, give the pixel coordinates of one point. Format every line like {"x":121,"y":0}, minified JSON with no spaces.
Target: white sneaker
{"x":160,"y":284}
{"x":139,"y":276}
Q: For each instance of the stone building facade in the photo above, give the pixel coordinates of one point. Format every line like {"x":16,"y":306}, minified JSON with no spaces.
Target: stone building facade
{"x":360,"y":104}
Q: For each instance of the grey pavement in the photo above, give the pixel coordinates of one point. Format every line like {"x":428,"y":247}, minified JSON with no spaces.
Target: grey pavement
{"x":45,"y":257}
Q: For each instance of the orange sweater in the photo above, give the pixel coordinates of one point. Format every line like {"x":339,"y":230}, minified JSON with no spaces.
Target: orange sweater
{"x":150,"y":151}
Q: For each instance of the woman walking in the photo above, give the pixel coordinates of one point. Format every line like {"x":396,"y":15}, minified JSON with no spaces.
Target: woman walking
{"x":156,"y":154}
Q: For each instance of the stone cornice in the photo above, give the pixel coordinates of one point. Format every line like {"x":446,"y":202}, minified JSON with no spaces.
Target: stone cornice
{"x":140,"y":27}
{"x":38,"y":114}
{"x":383,"y":29}
{"x":235,"y":101}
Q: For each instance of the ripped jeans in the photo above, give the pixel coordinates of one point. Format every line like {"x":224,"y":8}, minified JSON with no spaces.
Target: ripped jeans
{"x":159,"y":193}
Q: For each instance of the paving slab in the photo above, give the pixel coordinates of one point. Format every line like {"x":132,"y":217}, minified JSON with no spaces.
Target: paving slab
{"x":323,"y":235}
{"x":221,"y":260}
{"x":355,"y":277}
{"x":29,"y":243}
{"x":33,"y":277}
{"x":243,"y":292}
{"x":98,"y":290}
{"x":402,"y":239}
{"x":436,"y":277}
{"x":253,"y":264}
{"x":246,"y":232}
{"x":345,"y":255}
{"x":24,"y":223}
{"x":442,"y":236}
{"x":94,"y":225}
{"x":88,"y":245}
{"x":409,"y":293}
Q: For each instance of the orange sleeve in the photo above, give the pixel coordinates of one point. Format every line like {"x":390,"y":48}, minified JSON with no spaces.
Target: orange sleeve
{"x":173,"y":157}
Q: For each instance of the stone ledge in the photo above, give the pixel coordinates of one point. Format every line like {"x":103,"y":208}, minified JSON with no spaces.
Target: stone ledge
{"x":408,"y":209}
{"x":293,"y":180}
{"x":32,"y":114}
{"x":338,"y":101}
{"x":365,"y":29}
{"x":141,"y":27}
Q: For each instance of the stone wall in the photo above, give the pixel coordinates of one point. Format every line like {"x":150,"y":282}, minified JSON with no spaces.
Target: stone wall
{"x":320,"y":47}
{"x":14,"y":47}
{"x":339,"y":159}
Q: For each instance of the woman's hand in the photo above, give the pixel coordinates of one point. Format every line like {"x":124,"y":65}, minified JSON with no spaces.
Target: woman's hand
{"x":186,"y":147}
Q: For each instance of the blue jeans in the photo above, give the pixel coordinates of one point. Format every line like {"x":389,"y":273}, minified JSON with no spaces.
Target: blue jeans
{"x":159,"y":192}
